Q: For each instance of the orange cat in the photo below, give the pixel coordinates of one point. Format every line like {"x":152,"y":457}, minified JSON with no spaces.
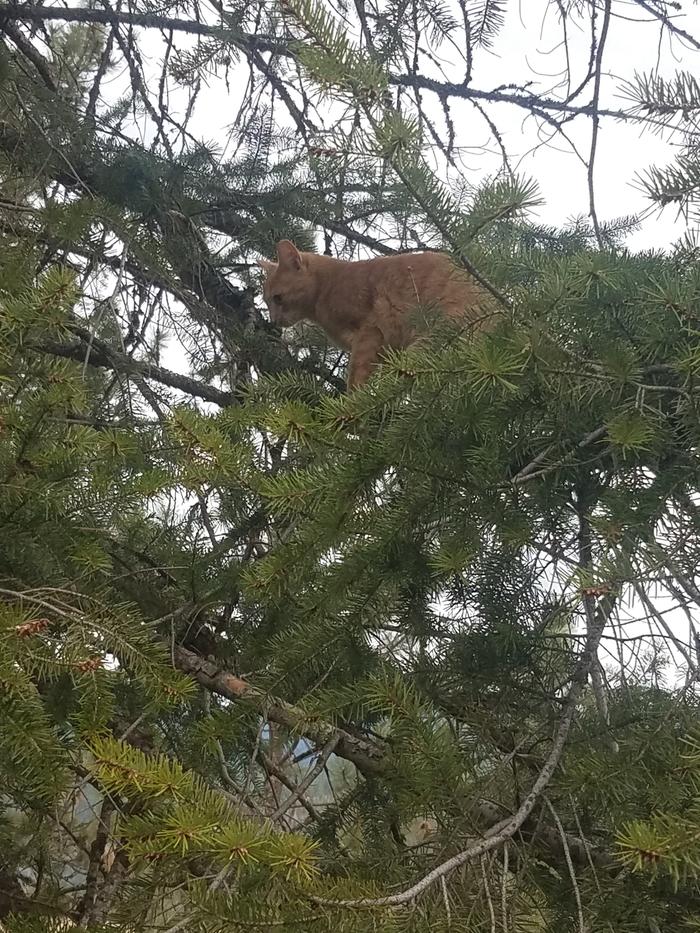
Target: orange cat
{"x":365,"y":307}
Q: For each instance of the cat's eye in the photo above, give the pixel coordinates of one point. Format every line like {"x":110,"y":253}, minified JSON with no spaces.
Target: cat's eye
{"x":277,"y":299}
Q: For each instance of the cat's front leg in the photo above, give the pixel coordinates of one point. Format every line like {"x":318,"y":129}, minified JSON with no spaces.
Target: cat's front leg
{"x":364,"y":355}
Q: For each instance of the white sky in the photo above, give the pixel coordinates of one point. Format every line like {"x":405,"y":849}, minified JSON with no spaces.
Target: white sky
{"x":530,"y":48}
{"x":531,"y":45}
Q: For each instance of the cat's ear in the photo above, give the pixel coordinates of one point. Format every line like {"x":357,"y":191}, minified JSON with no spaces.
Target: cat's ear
{"x":288,"y":255}
{"x":266,"y":264}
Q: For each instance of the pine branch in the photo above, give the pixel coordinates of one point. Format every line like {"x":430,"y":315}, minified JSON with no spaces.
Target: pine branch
{"x":368,"y":756}
{"x":30,"y":13}
{"x":501,"y":832}
{"x":30,"y":52}
{"x":486,"y":18}
{"x":200,"y":309}
{"x":96,"y":353}
{"x":444,"y":89}
{"x":365,"y":755}
{"x":201,"y":277}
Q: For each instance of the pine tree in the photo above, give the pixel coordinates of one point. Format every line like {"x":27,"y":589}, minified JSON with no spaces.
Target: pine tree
{"x":418,"y":657}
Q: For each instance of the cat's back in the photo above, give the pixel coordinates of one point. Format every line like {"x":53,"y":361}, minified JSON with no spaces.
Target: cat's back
{"x":408,"y":280}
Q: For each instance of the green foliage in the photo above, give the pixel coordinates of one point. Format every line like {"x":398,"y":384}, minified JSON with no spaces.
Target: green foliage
{"x":670,"y":102}
{"x":486,"y":19}
{"x":666,"y":843}
{"x":184,"y":818}
{"x":296,"y":644}
{"x":331,"y":59}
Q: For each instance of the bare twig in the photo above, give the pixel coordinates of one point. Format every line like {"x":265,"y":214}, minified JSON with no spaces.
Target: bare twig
{"x":504,"y":887}
{"x":569,"y":863}
{"x":531,"y":471}
{"x":308,"y":780}
{"x":275,"y":771}
{"x":668,"y":23}
{"x":661,"y":621}
{"x":595,"y":119}
{"x":487,"y":894}
{"x":214,"y":886}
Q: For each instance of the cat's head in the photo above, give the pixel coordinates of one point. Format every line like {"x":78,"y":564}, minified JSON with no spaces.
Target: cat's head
{"x":289,"y":289}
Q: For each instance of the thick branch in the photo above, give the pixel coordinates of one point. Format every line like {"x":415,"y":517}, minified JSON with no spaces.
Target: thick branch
{"x":31,"y":13}
{"x":445,"y":89}
{"x":97,"y":353}
{"x":367,"y":756}
{"x":29,"y":52}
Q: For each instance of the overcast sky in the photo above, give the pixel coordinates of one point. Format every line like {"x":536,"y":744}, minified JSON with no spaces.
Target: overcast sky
{"x":530,"y":48}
